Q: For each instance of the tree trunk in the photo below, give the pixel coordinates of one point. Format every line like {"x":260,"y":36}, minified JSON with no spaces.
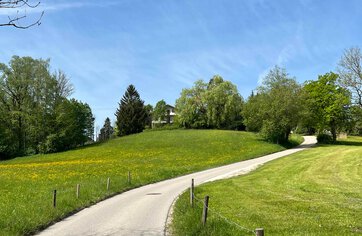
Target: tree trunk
{"x":334,"y":132}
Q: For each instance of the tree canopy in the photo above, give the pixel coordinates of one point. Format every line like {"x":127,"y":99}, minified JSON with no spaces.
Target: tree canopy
{"x":34,"y":110}
{"x":159,"y":113}
{"x":328,"y":103}
{"x":216,"y":104}
{"x":275,"y":109}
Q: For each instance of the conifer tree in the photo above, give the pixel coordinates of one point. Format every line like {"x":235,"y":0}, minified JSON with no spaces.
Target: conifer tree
{"x":106,"y":131}
{"x":131,"y":115}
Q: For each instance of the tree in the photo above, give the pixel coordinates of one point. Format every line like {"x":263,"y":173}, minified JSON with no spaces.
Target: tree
{"x":28,"y":96}
{"x":106,"y":131}
{"x":159,"y":113}
{"x":74,"y":127}
{"x":149,"y":114}
{"x":253,"y":115}
{"x":224,"y":104}
{"x":17,"y":5}
{"x":216,"y":104}
{"x":35,"y":114}
{"x":328,"y":102}
{"x":350,"y":73}
{"x":131,"y":115}
{"x":275,"y":109}
{"x":191,"y":106}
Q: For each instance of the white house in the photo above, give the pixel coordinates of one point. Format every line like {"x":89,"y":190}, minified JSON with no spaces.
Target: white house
{"x":169,"y":119}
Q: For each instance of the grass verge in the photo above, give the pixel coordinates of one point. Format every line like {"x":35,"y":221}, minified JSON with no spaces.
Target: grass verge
{"x":27,"y":183}
{"x":314,"y":192}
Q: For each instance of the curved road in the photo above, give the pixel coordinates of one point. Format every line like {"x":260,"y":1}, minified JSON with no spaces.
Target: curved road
{"x":144,"y":211}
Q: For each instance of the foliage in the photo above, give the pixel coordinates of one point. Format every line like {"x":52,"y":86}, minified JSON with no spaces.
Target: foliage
{"x":131,"y":114}
{"x":275,"y":109}
{"x":324,"y":138}
{"x":31,"y":98}
{"x":223,"y":103}
{"x":296,"y":195}
{"x":106,"y":131}
{"x":213,"y":105}
{"x":159,"y":113}
{"x":149,"y":114}
{"x":27,"y":183}
{"x":164,"y":127}
{"x":191,"y":106}
{"x":73,"y":127}
{"x":354,"y":122}
{"x":328,"y":103}
{"x":32,"y":103}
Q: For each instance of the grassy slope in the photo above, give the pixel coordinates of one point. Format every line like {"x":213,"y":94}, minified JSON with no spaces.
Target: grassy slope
{"x":315,"y":192}
{"x":27,"y":183}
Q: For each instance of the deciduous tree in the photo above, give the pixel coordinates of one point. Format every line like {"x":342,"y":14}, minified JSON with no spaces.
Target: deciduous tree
{"x":159,"y":113}
{"x":224,"y":104}
{"x":275,"y":109}
{"x":350,"y":73}
{"x":328,"y":102}
{"x":36,"y":115}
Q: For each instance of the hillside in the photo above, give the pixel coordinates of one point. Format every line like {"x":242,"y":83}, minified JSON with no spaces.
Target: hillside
{"x":314,"y":192}
{"x":26,"y":195}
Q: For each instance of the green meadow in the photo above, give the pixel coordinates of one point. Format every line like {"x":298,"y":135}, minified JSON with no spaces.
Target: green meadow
{"x":27,"y":183}
{"x":314,"y":192}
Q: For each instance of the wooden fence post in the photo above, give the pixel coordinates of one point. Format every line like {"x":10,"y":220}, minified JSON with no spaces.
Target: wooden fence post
{"x":259,"y":232}
{"x":55,"y":198}
{"x":129,"y":177}
{"x":108,"y":183}
{"x":192,"y":193}
{"x":204,"y":211}
{"x":78,"y":189}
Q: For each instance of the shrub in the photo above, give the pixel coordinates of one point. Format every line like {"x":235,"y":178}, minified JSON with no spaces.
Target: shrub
{"x":324,"y":138}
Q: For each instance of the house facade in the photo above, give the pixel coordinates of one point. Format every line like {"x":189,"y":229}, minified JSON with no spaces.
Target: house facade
{"x":169,"y":118}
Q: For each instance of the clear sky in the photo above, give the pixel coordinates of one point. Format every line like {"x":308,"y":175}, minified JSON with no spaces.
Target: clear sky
{"x":162,"y":46}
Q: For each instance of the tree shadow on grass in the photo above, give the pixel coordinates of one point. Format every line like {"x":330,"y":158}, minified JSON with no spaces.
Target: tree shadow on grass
{"x":348,"y":143}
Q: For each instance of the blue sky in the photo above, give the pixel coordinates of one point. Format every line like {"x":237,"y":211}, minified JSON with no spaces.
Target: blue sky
{"x":162,"y":46}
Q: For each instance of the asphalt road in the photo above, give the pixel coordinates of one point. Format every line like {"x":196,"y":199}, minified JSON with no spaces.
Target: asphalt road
{"x":144,"y":211}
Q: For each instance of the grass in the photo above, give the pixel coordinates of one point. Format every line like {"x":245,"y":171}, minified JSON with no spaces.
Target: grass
{"x":314,"y":192}
{"x":27,"y":183}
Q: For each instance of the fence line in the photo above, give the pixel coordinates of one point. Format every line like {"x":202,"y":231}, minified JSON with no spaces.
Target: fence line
{"x":225,"y":218}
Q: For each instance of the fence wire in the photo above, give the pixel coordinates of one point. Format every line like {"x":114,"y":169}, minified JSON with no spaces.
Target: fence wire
{"x":224,"y":218}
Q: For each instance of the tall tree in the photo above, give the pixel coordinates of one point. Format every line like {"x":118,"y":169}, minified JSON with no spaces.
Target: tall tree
{"x":328,"y":102}
{"x":74,"y":127}
{"x":350,"y":73}
{"x":224,"y":104}
{"x":275,"y":109}
{"x":216,"y":104}
{"x":149,"y":114}
{"x":131,"y":115}
{"x":191,"y":106}
{"x":159,"y":113}
{"x":27,"y":95}
{"x":35,"y":114}
{"x":106,"y":131}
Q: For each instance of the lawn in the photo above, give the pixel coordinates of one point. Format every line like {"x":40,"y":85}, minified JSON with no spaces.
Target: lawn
{"x":314,"y":192}
{"x":27,"y":183}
